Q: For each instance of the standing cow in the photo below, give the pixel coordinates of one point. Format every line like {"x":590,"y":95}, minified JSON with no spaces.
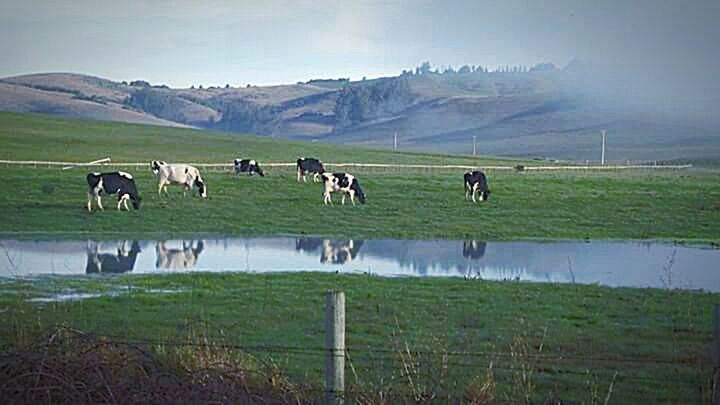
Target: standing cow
{"x":343,"y":183}
{"x":119,"y":183}
{"x":248,"y":166}
{"x":476,"y":182}
{"x":309,"y":165}
{"x":180,"y":174}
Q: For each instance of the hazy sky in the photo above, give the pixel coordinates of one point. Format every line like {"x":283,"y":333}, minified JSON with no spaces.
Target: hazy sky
{"x":180,"y":43}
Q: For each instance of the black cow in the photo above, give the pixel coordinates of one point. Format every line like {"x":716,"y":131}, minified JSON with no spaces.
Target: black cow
{"x":309,"y":165}
{"x":122,"y":262}
{"x":476,"y":182}
{"x":344,"y":183}
{"x":248,"y":166}
{"x":119,"y":183}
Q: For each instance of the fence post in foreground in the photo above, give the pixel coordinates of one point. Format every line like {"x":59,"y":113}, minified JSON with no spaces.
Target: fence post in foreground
{"x":335,"y":347}
{"x":716,"y":356}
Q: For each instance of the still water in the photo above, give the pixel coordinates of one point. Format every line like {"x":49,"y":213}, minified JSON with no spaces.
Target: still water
{"x":634,"y":264}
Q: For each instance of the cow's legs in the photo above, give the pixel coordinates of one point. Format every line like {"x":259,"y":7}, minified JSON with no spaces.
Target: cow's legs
{"x":99,"y":202}
{"x":298,"y":175}
{"x":352,"y":197}
{"x":316,"y":177}
{"x":343,"y":199}
{"x":327,"y":198}
{"x":160,"y":188}
{"x":89,"y":202}
{"x":467,"y":192}
{"x":474,"y":189}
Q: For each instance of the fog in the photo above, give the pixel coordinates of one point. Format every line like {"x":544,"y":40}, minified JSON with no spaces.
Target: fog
{"x":658,"y":55}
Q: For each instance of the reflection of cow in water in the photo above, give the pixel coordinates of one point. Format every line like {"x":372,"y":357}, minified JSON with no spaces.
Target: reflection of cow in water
{"x":308,"y":244}
{"x":178,"y":258}
{"x":121,"y":262}
{"x":339,"y":251}
{"x":333,"y":251}
{"x":473,"y":249}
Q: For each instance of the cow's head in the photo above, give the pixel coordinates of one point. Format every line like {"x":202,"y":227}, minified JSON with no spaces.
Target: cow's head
{"x":485,"y":195}
{"x":135,"y":200}
{"x":236,"y":162}
{"x":202,"y":188}
{"x":155,"y":166}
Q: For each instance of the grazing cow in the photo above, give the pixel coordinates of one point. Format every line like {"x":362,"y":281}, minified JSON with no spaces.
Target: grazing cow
{"x":309,"y":165}
{"x":339,"y":251}
{"x":123,"y":262}
{"x":474,"y":249}
{"x":180,"y":174}
{"x":344,"y":183}
{"x":178,"y":258}
{"x":476,"y":182}
{"x":248,"y":166}
{"x":119,"y":183}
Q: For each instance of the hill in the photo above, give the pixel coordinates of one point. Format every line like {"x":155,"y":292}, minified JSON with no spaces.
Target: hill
{"x":522,"y":113}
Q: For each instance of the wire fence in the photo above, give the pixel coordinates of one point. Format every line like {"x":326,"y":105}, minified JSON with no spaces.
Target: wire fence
{"x":410,"y":364}
{"x":229,"y":165}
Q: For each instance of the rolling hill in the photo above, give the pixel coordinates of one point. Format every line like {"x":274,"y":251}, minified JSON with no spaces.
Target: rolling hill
{"x":540,"y":112}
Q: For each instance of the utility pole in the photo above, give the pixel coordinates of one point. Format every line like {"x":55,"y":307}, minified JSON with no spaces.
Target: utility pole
{"x":474,"y":143}
{"x":602,"y":153}
{"x":395,"y":142}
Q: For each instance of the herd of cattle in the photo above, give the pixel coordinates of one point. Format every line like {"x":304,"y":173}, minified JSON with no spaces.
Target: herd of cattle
{"x":123,"y":185}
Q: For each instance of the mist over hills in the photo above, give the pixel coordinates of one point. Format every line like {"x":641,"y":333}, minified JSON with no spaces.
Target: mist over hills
{"x":543,"y":111}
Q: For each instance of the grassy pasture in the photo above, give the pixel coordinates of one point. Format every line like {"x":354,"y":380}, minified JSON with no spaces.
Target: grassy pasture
{"x":407,"y":203}
{"x":574,"y":338}
{"x":401,"y":204}
{"x":571,"y":339}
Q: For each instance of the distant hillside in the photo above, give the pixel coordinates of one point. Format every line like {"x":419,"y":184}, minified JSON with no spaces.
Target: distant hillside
{"x":514,"y":112}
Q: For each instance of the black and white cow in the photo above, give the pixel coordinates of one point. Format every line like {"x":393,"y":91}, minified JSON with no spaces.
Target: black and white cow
{"x":344,"y":183}
{"x":123,"y":261}
{"x":309,"y":165}
{"x":248,"y":166}
{"x":476,"y":182}
{"x":180,"y":174}
{"x":119,"y":183}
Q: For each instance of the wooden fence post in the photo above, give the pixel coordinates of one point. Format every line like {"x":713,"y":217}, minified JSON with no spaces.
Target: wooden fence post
{"x":335,"y":346}
{"x":716,"y":356}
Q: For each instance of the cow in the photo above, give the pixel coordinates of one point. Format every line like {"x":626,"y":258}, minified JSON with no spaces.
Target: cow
{"x":180,"y":174}
{"x":344,"y":183}
{"x":178,"y":258}
{"x":309,"y":165}
{"x":119,"y":183}
{"x":248,"y":166}
{"x":123,"y":261}
{"x":476,"y":182}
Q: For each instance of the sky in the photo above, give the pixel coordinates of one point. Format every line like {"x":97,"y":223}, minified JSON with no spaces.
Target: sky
{"x":183,"y":43}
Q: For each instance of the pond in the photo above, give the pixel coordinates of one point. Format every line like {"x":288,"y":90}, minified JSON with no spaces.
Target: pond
{"x":632,"y":264}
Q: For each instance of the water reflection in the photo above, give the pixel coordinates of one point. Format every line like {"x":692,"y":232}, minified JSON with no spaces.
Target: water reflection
{"x":183,"y":258}
{"x":332,"y":251}
{"x":120,"y":262}
{"x":473,"y":249}
{"x":646,"y":264}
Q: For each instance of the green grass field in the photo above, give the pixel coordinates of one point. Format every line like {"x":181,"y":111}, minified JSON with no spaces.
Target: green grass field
{"x":568,"y":336}
{"x":571,"y":339}
{"x":404,"y":203}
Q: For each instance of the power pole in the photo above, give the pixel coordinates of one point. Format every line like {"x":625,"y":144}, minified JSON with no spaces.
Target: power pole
{"x":602,"y":153}
{"x":474,"y":139}
{"x":395,"y":142}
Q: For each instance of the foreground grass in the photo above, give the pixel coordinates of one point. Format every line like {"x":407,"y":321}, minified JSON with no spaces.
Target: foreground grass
{"x":567,"y":339}
{"x":527,"y":205}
